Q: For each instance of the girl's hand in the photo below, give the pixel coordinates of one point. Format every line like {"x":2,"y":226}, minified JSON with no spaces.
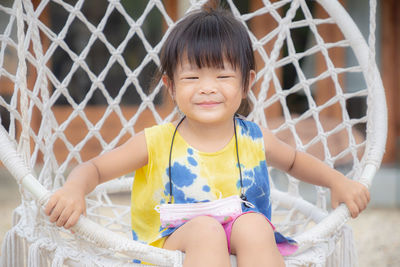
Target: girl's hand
{"x":68,"y":203}
{"x":65,"y":206}
{"x":355,"y":195}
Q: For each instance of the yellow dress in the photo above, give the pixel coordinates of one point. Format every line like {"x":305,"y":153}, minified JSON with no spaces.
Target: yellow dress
{"x":196,"y":177}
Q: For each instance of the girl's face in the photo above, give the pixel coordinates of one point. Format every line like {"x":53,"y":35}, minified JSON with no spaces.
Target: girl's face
{"x":207,"y":95}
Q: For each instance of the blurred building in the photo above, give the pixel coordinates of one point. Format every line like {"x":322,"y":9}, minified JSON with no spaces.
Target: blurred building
{"x":116,"y":28}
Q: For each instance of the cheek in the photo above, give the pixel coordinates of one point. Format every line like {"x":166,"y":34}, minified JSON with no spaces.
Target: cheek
{"x":238,"y":99}
{"x":239,"y":95}
{"x":182,"y":97}
{"x":180,"y":93}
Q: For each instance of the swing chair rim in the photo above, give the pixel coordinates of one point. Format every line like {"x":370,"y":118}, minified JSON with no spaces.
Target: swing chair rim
{"x":330,"y":224}
{"x":101,"y":236}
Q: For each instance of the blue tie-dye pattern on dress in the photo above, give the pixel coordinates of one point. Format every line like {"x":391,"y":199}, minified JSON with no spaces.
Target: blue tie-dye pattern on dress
{"x":183,"y":176}
{"x":179,"y":195}
{"x":250,"y":129}
{"x":192,"y":181}
{"x":255,"y":180}
{"x":257,"y":189}
{"x":192,"y":161}
{"x":134,"y":235}
{"x":206,"y":188}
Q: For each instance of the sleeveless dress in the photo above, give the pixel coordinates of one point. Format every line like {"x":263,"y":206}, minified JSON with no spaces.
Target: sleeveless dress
{"x":197,"y":177}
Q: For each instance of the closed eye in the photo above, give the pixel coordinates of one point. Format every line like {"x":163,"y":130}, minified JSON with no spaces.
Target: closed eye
{"x":224,"y":76}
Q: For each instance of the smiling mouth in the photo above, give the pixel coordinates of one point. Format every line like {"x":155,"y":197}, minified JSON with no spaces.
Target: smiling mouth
{"x":208,"y":104}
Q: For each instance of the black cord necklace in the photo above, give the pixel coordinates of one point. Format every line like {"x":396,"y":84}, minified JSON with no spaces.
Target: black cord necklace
{"x":242,"y":195}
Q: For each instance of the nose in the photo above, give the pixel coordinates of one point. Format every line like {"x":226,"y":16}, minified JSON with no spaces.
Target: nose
{"x":207,"y":86}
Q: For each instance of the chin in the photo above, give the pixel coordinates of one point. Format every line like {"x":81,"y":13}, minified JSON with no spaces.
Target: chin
{"x":209,"y":117}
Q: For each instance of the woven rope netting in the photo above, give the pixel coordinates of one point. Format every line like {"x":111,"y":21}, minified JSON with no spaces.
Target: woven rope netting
{"x":78,"y":75}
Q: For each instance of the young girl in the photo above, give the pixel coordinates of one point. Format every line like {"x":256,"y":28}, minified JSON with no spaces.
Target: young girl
{"x":207,"y":66}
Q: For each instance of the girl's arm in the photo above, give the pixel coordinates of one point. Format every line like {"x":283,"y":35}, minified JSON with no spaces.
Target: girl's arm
{"x":312,"y":170}
{"x":68,"y":203}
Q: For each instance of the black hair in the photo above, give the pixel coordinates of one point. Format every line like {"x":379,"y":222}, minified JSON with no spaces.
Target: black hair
{"x":207,"y":37}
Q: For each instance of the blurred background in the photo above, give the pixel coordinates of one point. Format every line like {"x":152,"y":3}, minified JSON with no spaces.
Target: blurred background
{"x":377,"y":230}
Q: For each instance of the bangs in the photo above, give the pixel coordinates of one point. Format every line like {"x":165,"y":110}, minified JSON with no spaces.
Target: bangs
{"x":208,"y":44}
{"x":207,"y":39}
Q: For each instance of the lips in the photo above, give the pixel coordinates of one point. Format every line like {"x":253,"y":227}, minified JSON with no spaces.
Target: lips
{"x":208,"y":104}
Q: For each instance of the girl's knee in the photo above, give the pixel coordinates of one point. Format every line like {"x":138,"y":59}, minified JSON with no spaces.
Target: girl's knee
{"x":205,"y":227}
{"x":201,"y":237}
{"x":200,"y":231}
{"x":253,"y":241}
{"x":252,"y":229}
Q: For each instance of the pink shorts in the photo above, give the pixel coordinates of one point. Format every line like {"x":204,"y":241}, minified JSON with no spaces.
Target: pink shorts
{"x":286,"y":246}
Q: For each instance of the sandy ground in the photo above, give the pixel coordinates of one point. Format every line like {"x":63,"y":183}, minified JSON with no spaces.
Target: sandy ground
{"x":376,"y":231}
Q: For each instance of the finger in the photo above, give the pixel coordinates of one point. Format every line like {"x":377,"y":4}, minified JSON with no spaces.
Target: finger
{"x":62,"y":219}
{"x":361,"y":203}
{"x":365,"y":201}
{"x":364,"y":198}
{"x":72,"y":220}
{"x":56,"y":212}
{"x":354,"y":210}
{"x":368,"y":195}
{"x":50,"y":206}
{"x":334,"y":203}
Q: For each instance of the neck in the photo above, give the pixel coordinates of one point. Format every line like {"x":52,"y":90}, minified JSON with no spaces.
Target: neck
{"x":207,"y":138}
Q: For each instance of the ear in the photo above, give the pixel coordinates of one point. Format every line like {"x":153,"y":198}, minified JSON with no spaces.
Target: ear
{"x":168,"y":84}
{"x":252,"y":78}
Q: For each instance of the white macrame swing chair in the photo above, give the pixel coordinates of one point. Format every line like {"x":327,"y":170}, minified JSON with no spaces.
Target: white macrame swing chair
{"x":103,"y":237}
